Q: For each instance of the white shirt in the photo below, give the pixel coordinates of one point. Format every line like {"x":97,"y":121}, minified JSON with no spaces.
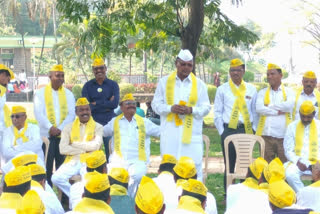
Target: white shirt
{"x":304,"y":97}
{"x":309,"y":197}
{"x":289,"y":143}
{"x":171,"y":135}
{"x":224,"y":101}
{"x":34,"y":144}
{"x":129,"y":135}
{"x":41,"y":114}
{"x":275,"y":125}
{"x":76,"y":191}
{"x":2,"y":102}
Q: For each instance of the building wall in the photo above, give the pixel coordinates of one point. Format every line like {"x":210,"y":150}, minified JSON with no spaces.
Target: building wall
{"x":18,"y":61}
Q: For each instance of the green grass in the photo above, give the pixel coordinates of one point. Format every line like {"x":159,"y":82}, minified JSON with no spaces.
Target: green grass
{"x":214,"y":184}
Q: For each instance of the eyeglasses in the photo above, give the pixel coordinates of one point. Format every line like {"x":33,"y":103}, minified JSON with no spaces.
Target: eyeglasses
{"x":236,"y":70}
{"x":98,"y":68}
{"x":129,"y":103}
{"x":17,"y":116}
{"x":190,"y":65}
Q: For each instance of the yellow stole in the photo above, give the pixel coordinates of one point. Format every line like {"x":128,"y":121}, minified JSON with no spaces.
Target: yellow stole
{"x":316,"y":184}
{"x":188,"y":121}
{"x":18,"y":135}
{"x":3,"y":90}
{"x":239,"y":105}
{"x":316,"y":93}
{"x":264,"y":187}
{"x":117,"y":189}
{"x":251,"y":183}
{"x":142,"y":136}
{"x":89,"y":205}
{"x":36,"y":184}
{"x":7,"y":113}
{"x":313,"y":141}
{"x":191,"y":204}
{"x":63,"y":104}
{"x":10,"y":200}
{"x":263,"y":118}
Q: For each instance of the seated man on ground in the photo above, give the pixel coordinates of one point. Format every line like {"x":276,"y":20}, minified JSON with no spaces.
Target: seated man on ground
{"x":131,"y":141}
{"x":301,"y":145}
{"x":78,"y":139}
{"x":32,"y":204}
{"x":151,"y":115}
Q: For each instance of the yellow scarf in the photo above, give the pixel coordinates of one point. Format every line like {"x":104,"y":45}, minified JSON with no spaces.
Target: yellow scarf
{"x":10,"y":200}
{"x":18,"y":135}
{"x":240,"y":105}
{"x":263,"y":118}
{"x":188,"y":121}
{"x":316,"y":93}
{"x":117,"y":189}
{"x":316,"y":184}
{"x":142,"y":136}
{"x":63,"y":104}
{"x":313,"y":141}
{"x":7,"y":113}
{"x":36,"y":184}
{"x":89,"y":131}
{"x":3,"y":90}
{"x":190,"y":204}
{"x":89,"y":205}
{"x":264,"y":187}
{"x":251,"y":183}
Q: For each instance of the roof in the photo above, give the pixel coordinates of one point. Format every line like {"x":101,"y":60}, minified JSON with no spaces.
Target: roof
{"x":30,"y":41}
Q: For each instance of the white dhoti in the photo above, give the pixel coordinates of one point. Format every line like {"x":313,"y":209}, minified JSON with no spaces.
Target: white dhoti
{"x":293,"y":175}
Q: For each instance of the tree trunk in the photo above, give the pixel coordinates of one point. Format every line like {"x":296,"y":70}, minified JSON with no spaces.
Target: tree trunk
{"x":191,"y":33}
{"x":130,"y":58}
{"x":83,"y":71}
{"x":161,"y":66}
{"x":44,"y":31}
{"x":54,"y":19}
{"x":204,"y":73}
{"x":145,"y":66}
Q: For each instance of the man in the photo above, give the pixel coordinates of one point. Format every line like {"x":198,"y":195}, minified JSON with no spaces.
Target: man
{"x":131,"y":141}
{"x":103,"y":95}
{"x":54,"y":108}
{"x":234,"y":109}
{"x":32,"y":204}
{"x":149,"y":199}
{"x":38,"y":184}
{"x":120,"y":201}
{"x":78,"y":139}
{"x":301,"y":145}
{"x":151,"y":115}
{"x":182,"y":101}
{"x":16,"y":184}
{"x":274,"y":106}
{"x":307,"y":92}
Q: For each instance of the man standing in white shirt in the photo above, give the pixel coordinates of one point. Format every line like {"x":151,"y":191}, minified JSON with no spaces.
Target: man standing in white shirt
{"x":181,"y":100}
{"x":274,"y":106}
{"x":234,"y":109}
{"x":301,"y":145}
{"x":54,"y":108}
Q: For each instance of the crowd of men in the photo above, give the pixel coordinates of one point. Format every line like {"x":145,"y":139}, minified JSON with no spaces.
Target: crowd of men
{"x":114,"y":180}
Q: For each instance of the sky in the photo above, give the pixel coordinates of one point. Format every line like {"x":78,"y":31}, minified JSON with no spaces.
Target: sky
{"x":280,"y":17}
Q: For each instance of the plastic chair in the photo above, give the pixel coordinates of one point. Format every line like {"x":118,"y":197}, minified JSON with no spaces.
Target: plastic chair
{"x":243,"y":144}
{"x":206,"y":140}
{"x":46,"y":141}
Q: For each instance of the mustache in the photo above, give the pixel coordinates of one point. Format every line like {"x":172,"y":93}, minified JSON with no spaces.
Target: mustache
{"x":308,"y":86}
{"x":85,"y":115}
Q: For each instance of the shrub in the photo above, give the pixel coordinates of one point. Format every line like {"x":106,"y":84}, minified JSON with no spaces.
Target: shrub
{"x":260,"y":85}
{"x":114,"y":76}
{"x":76,"y":90}
{"x":212,"y":92}
{"x":126,"y":88}
{"x":145,"y":87}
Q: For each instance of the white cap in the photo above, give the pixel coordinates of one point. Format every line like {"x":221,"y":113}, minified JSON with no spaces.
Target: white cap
{"x":185,"y":55}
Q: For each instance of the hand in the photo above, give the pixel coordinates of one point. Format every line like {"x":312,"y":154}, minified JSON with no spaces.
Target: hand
{"x":93,"y":103}
{"x":187,"y":110}
{"x":53,"y":131}
{"x":112,"y":98}
{"x":301,"y":166}
{"x":280,"y":112}
{"x":177,"y":109}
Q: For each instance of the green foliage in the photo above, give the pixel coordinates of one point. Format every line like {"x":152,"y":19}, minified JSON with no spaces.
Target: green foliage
{"x":152,"y":78}
{"x":212,"y":90}
{"x":76,"y":90}
{"x":248,"y":76}
{"x":260,"y":85}
{"x":126,"y":88}
{"x":115,"y":76}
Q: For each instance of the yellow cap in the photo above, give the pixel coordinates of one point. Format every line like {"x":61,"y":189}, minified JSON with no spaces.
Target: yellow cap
{"x":257,"y":167}
{"x":96,"y":159}
{"x":98,"y":62}
{"x":36,"y":169}
{"x":281,"y":194}
{"x":310,"y":75}
{"x":119,"y":174}
{"x":185,"y":167}
{"x":18,"y":109}
{"x":195,"y":186}
{"x":149,"y":198}
{"x":127,"y":97}
{"x":273,"y":66}
{"x":274,"y":171}
{"x":307,"y":107}
{"x":57,"y":68}
{"x":236,"y":62}
{"x":17,"y":176}
{"x":31,"y":204}
{"x":3,"y":67}
{"x":96,"y":182}
{"x":24,"y":159}
{"x":166,"y":158}
{"x":82,"y":101}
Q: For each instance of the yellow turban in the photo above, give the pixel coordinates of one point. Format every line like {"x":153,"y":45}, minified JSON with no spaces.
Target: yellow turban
{"x":235,"y":63}
{"x":96,"y":159}
{"x":195,"y":186}
{"x":82,"y":101}
{"x":166,"y":158}
{"x":119,"y":174}
{"x":31,"y":204}
{"x":128,"y":97}
{"x":310,"y":75}
{"x":274,"y":171}
{"x":257,"y":167}
{"x":24,"y":159}
{"x":17,"y":176}
{"x":3,"y":67}
{"x":149,"y":198}
{"x":185,"y":167}
{"x":18,"y":109}
{"x":57,"y":68}
{"x":307,"y":107}
{"x":98,"y":62}
{"x":273,"y":66}
{"x":281,"y":194}
{"x":36,"y":169}
{"x":96,"y":182}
